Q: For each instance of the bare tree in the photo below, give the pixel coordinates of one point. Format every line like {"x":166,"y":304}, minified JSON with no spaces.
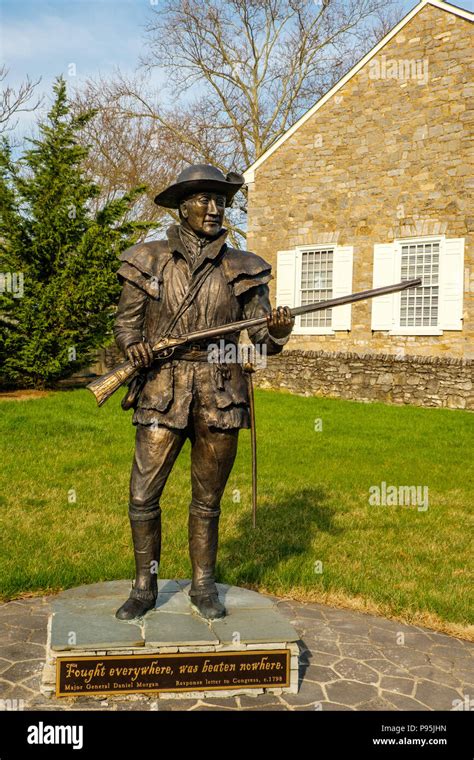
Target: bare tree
{"x":237,"y":73}
{"x":13,"y":102}
{"x":256,"y":66}
{"x":128,"y":148}
{"x":124,"y":153}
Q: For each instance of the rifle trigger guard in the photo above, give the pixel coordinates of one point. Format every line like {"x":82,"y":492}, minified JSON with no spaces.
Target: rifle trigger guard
{"x":165,"y":353}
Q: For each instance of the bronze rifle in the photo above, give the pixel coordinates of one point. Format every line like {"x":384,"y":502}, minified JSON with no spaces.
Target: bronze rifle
{"x":103,"y":387}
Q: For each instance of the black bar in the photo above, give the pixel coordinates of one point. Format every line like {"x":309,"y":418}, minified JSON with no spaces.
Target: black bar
{"x":148,"y":732}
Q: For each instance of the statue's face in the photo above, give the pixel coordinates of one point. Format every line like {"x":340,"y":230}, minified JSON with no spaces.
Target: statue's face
{"x":204,"y":213}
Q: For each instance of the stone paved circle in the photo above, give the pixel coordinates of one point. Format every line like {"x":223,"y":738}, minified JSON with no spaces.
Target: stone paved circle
{"x":348,"y":661}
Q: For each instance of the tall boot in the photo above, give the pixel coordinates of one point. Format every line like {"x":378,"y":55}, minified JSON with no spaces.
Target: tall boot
{"x":146,"y":536}
{"x":203,"y":538}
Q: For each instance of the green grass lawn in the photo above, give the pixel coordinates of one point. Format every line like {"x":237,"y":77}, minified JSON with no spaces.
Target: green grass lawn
{"x":314,"y":512}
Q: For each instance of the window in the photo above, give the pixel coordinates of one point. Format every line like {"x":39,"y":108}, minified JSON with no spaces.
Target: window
{"x":437,"y":304}
{"x":316,"y":285}
{"x":419,"y":306}
{"x":313,"y":273}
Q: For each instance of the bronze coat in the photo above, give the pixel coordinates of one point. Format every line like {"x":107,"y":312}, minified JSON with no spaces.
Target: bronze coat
{"x":155,"y":276}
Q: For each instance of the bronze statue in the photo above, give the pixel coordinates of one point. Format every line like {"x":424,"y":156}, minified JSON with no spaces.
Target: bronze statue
{"x":192,"y":280}
{"x":178,"y":295}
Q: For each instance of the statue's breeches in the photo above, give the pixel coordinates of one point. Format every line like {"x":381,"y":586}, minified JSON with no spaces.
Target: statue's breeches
{"x":213,"y":453}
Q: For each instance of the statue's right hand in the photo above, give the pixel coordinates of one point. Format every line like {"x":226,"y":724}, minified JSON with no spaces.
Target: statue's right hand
{"x":140,"y":354}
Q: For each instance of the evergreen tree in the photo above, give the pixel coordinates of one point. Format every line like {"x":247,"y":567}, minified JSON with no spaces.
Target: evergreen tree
{"x":58,"y":262}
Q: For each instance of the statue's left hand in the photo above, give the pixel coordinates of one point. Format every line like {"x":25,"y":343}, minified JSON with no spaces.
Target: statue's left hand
{"x":280,"y":322}
{"x":140,"y":354}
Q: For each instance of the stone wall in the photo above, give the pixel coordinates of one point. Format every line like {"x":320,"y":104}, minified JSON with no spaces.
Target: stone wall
{"x":382,"y":159}
{"x":105,"y":360}
{"x":418,"y":380}
{"x":108,"y":358}
{"x":422,"y":381}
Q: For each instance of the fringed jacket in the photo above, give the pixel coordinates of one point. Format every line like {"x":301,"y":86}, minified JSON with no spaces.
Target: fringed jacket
{"x":155,"y":277}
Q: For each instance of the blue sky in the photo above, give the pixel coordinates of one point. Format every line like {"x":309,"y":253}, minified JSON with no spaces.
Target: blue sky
{"x":42,"y":37}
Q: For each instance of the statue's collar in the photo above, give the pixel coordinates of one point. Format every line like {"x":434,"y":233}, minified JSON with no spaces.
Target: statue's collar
{"x":180,"y":238}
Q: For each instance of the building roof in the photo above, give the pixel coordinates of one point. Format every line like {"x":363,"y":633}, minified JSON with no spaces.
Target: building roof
{"x":249,"y":174}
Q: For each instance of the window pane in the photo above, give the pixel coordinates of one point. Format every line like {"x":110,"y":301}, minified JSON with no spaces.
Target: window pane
{"x":316,"y":285}
{"x":419,"y":307}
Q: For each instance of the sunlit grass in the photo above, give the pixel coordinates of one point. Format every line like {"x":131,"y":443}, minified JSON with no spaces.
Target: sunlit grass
{"x":313,"y":513}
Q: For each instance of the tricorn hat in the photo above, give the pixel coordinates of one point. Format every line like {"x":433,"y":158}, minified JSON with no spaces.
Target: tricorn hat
{"x":200,"y":177}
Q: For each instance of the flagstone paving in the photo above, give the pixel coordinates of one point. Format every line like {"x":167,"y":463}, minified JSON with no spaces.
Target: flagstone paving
{"x":348,"y":661}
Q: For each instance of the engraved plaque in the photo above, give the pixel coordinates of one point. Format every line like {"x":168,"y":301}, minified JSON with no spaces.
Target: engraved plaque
{"x":186,"y":671}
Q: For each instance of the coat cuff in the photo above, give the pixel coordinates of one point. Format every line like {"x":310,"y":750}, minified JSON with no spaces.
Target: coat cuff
{"x":124,"y":341}
{"x":279,"y":341}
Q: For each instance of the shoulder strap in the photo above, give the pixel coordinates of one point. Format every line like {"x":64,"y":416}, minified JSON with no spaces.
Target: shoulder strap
{"x":191,"y":294}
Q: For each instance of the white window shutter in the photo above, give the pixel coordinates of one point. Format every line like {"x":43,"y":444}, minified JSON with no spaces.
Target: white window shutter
{"x":451,"y":284}
{"x":383,"y":307}
{"x":286,"y":278}
{"x":342,"y":285}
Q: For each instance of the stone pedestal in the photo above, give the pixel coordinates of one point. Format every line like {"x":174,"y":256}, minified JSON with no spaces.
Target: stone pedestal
{"x":253,"y":650}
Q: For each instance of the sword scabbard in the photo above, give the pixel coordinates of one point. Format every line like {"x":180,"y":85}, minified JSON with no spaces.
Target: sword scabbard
{"x":249,"y":369}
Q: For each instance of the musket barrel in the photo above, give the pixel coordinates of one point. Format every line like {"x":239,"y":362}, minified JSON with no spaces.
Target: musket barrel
{"x":306,"y":309}
{"x":354,"y":297}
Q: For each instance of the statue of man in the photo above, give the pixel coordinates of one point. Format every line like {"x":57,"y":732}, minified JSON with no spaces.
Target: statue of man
{"x":189,"y":396}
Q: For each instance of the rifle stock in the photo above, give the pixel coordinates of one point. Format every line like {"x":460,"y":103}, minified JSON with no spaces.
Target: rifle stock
{"x":103,"y":387}
{"x":106,"y":385}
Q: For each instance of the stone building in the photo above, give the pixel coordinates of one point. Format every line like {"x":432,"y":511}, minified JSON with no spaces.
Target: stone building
{"x":372,"y":186}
